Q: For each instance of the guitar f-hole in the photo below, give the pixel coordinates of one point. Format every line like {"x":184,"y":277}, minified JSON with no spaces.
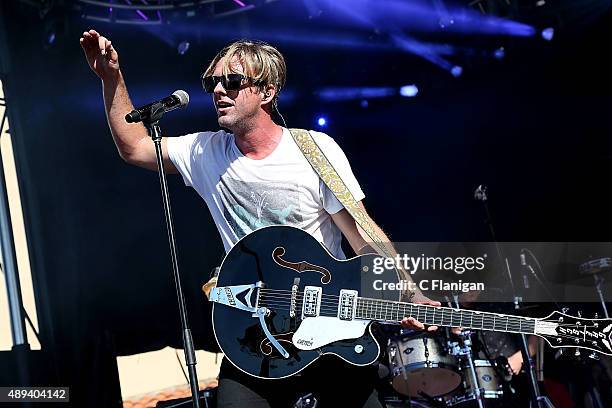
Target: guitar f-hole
{"x":299,"y":267}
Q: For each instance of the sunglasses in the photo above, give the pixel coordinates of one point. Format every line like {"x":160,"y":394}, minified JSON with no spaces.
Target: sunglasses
{"x":230,"y":82}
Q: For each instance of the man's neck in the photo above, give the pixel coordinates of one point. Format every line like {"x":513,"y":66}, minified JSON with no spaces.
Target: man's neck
{"x":260,"y":141}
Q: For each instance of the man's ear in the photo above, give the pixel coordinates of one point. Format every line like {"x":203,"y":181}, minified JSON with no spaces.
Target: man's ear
{"x":268,"y":94}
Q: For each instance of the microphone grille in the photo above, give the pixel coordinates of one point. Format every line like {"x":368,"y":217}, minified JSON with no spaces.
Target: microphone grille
{"x":182,"y":96}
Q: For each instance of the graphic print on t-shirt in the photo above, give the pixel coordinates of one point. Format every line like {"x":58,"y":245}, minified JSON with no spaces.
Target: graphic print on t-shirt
{"x":252,"y":205}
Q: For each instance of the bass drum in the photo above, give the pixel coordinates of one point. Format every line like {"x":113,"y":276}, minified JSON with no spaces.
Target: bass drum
{"x":420,"y":364}
{"x":491,"y":388}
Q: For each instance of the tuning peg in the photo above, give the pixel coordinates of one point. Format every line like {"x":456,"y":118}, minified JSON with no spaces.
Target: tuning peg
{"x":594,"y":356}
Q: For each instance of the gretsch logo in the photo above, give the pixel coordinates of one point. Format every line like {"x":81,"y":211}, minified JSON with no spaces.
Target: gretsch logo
{"x":576,"y":332}
{"x":303,"y":342}
{"x":230,"y":296}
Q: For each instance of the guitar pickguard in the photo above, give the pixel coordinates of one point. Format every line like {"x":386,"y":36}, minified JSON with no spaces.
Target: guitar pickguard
{"x":315,"y":332}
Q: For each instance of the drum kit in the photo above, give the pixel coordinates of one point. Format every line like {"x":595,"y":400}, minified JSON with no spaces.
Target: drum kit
{"x":441,"y":370}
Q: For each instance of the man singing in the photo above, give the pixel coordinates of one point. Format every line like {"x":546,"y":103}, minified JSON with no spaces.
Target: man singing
{"x":250,"y":178}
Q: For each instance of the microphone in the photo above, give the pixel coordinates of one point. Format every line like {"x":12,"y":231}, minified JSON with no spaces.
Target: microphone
{"x":524,"y":267}
{"x":480,"y":194}
{"x":179,"y":99}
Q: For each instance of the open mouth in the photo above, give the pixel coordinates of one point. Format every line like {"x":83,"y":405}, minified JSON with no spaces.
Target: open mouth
{"x":223,"y":105}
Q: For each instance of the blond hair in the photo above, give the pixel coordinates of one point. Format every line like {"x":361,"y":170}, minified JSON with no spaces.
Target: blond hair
{"x":261,"y":62}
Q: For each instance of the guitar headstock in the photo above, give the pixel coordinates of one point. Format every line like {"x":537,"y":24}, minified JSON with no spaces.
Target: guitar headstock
{"x":562,"y":330}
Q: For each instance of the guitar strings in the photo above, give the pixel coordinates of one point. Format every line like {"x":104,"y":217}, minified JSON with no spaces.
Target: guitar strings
{"x":333,"y":312}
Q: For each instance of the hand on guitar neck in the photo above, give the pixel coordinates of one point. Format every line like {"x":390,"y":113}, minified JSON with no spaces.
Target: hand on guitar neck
{"x":421,"y":299}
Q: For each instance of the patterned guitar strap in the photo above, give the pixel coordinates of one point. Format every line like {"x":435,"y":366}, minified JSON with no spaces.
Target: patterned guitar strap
{"x":334,"y":182}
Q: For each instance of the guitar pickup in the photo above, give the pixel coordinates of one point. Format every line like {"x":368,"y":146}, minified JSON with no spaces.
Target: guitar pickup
{"x":347,"y":304}
{"x":312,"y":301}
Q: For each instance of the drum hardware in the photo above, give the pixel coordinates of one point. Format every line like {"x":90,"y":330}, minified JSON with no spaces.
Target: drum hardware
{"x":307,"y":401}
{"x":466,"y":351}
{"x":596,"y":267}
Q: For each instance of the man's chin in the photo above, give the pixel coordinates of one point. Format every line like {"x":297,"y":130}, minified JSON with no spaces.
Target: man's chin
{"x":225,"y":122}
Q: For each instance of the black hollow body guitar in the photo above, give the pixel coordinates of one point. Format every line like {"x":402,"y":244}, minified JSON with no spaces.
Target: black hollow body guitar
{"x":282,"y":301}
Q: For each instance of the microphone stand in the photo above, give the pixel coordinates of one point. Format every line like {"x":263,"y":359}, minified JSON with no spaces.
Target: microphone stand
{"x":537,"y":399}
{"x":151,"y":122}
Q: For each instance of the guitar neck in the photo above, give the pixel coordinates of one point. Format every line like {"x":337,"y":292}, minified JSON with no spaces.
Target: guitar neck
{"x":390,"y":311}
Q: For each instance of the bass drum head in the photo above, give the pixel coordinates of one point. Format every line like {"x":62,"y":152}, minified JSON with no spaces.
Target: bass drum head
{"x":431,"y":381}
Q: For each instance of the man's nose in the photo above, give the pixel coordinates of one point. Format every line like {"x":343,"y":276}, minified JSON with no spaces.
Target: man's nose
{"x":219,"y":88}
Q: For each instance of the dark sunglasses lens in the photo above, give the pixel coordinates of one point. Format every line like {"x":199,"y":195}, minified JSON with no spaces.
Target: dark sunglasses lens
{"x":233,"y":82}
{"x":209,"y":84}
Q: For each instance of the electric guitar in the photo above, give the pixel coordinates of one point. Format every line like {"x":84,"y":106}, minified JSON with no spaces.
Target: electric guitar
{"x":282,"y":301}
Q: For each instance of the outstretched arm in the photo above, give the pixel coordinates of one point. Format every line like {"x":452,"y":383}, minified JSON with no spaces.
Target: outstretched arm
{"x":132,"y":140}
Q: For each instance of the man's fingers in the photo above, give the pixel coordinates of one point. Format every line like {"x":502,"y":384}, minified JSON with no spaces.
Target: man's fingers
{"x":432,"y":328}
{"x":102,"y":44}
{"x":411,"y":322}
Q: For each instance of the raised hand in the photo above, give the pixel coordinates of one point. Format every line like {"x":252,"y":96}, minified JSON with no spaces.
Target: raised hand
{"x":100,"y":54}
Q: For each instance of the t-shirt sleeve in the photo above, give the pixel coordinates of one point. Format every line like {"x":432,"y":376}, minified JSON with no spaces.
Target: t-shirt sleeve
{"x":181,"y":154}
{"x":338,"y":160}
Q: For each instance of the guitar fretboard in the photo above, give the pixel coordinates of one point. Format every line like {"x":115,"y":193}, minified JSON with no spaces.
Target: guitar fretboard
{"x":389,"y":311}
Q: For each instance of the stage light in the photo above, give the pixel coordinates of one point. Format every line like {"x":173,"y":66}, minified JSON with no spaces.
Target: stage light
{"x":354,"y":93}
{"x":445,"y":22}
{"x":322,"y":121}
{"x":51,"y":37}
{"x":548,"y":33}
{"x":183,"y":47}
{"x":456,"y":71}
{"x":499,"y":53}
{"x":409,"y":91}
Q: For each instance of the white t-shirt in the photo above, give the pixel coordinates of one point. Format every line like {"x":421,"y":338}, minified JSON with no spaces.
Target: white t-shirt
{"x":244,"y":194}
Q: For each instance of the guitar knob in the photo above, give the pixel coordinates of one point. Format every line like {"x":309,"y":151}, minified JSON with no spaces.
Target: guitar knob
{"x":596,"y":316}
{"x":565,"y":310}
{"x":577,"y":353}
{"x":579,"y":313}
{"x":594,"y":356}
